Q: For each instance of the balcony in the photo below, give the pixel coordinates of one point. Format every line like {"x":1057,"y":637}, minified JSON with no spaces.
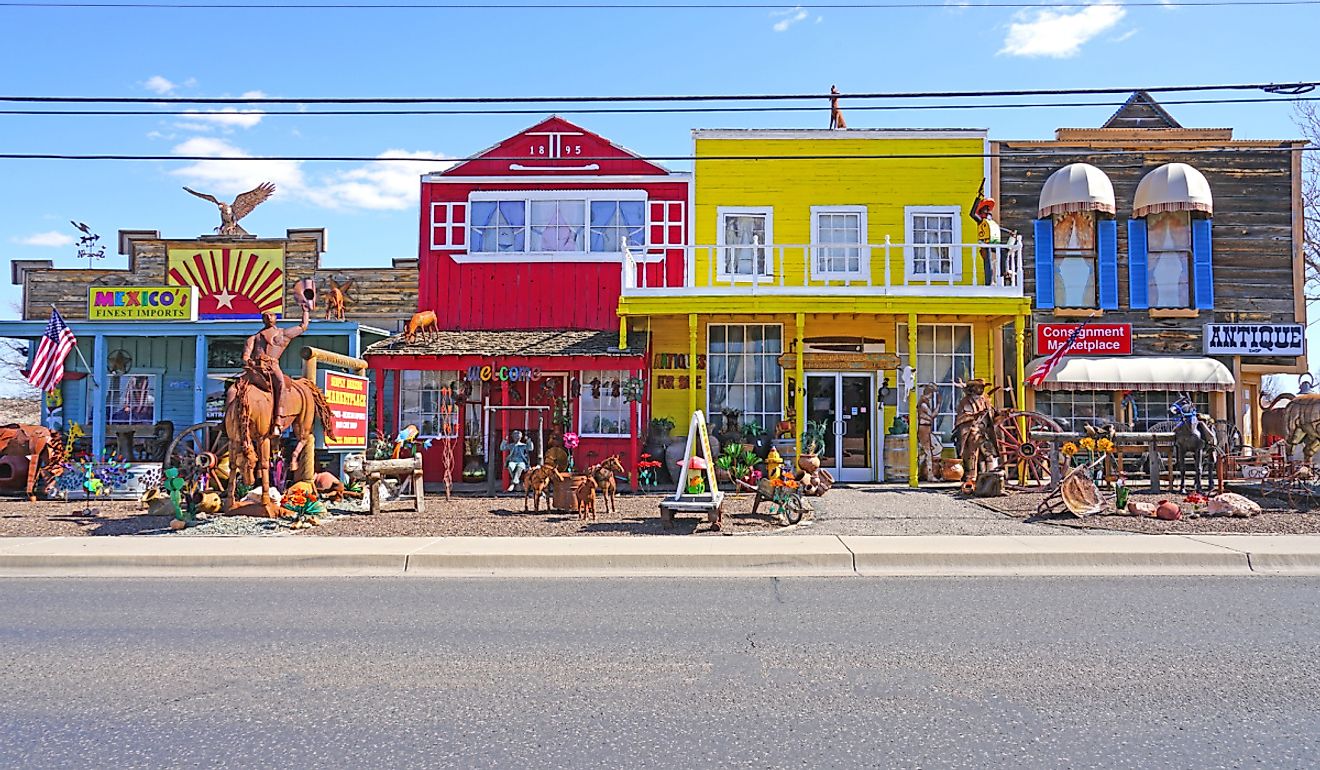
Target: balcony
{"x":887,"y":269}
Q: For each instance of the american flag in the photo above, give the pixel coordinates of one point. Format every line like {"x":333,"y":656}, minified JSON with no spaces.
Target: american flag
{"x":1047,"y":366}
{"x":48,"y":365}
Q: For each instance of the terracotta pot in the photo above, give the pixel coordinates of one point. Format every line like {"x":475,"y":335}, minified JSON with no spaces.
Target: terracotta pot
{"x":564,"y":492}
{"x":1168,"y":510}
{"x":951,"y":470}
{"x":808,"y":462}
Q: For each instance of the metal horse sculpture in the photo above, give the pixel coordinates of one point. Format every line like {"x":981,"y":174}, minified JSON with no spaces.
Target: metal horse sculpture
{"x":40,"y":446}
{"x":1195,"y":435}
{"x":248,"y":411}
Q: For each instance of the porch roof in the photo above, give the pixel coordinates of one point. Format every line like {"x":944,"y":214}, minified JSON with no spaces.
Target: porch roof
{"x":525,"y":343}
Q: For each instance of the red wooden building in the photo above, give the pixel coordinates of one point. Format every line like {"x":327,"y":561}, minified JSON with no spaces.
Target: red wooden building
{"x":521,"y":252}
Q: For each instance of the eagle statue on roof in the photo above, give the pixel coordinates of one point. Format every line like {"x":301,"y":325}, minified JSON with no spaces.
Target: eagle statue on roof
{"x":230,"y":213}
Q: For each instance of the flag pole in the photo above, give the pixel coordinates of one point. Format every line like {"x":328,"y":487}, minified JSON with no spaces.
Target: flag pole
{"x":78,"y":350}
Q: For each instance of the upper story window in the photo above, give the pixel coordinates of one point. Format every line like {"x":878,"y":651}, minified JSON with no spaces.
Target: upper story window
{"x":743,"y":235}
{"x":557,"y":222}
{"x":838,"y":235}
{"x":1076,"y":240}
{"x":1170,"y":259}
{"x":1076,"y":269}
{"x":933,"y":235}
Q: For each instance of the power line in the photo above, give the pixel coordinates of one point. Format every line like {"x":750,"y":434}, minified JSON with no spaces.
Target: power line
{"x":656,"y":110}
{"x":587,"y":6}
{"x":1043,"y":152}
{"x":1291,"y":88}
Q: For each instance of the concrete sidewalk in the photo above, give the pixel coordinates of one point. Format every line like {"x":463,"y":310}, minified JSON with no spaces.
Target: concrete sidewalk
{"x":811,"y":555}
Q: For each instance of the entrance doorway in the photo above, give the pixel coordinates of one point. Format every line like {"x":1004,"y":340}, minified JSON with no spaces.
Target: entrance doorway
{"x":845,"y":404}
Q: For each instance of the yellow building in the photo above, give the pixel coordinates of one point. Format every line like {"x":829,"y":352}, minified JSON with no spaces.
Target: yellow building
{"x":823,"y":262}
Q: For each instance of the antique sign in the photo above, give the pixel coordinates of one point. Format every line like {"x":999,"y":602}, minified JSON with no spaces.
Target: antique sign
{"x":1095,"y":339}
{"x":347,"y":396}
{"x":231,"y":283}
{"x":835,"y":362}
{"x":1255,"y":339}
{"x":141,"y":303}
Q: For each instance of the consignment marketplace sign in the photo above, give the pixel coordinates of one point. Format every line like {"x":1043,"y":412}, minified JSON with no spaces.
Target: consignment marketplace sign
{"x":1094,"y":340}
{"x":346,"y":395}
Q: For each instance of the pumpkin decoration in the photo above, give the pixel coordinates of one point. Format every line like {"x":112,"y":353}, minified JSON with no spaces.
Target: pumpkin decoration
{"x":1168,"y":511}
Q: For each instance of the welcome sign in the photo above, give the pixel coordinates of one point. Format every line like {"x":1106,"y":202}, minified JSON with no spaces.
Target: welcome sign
{"x":141,"y":303}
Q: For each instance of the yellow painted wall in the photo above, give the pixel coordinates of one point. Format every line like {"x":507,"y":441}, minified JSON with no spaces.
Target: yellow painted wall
{"x":885,"y":186}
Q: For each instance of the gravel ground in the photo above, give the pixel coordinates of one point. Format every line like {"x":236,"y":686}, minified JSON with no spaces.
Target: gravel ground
{"x":888,"y":510}
{"x":1277,"y":518}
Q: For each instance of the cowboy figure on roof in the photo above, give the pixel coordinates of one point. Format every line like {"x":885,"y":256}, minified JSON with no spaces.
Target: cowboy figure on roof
{"x":988,"y":236}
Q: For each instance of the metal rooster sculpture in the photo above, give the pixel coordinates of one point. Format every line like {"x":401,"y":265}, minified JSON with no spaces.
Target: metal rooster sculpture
{"x":230,"y":213}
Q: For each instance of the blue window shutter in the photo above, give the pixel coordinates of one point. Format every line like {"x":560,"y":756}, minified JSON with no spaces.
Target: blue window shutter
{"x":1138,"y":285}
{"x":1203,"y":270}
{"x":1106,"y":241}
{"x":1044,"y":263}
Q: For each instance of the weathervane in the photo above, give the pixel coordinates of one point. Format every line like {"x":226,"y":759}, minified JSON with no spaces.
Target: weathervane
{"x":230,"y":213}
{"x":89,"y":246}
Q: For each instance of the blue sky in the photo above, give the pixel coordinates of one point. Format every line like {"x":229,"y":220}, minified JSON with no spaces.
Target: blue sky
{"x":370,"y":208}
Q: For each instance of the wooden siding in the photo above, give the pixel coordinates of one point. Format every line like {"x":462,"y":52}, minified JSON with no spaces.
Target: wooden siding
{"x":885,"y":186}
{"x":380,"y":296}
{"x":1253,"y":234}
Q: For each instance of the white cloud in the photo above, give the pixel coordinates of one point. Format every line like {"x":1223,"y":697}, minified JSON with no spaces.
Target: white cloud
{"x":378,"y":185}
{"x":789,"y":17}
{"x":50,"y":238}
{"x":159,"y":85}
{"x":1059,"y":34}
{"x":225,"y":119}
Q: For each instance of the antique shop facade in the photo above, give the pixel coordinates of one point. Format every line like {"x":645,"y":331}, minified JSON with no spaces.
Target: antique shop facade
{"x":164,"y":334}
{"x":520,"y":254}
{"x":1184,"y":260}
{"x":822,"y":263}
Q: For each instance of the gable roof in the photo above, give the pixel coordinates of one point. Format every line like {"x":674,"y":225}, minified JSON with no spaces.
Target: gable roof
{"x":1141,"y":111}
{"x":561,"y":147}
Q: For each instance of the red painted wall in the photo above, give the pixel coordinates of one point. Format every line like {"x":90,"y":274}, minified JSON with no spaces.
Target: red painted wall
{"x":513,"y":294}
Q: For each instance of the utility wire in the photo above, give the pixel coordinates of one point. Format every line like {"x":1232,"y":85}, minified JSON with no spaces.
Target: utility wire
{"x":1291,"y":88}
{"x":586,"y":6}
{"x":659,"y":110}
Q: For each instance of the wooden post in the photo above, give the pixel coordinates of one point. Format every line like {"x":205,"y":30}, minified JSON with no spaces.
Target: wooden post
{"x":913,"y":480}
{"x":799,"y":371}
{"x":1020,"y":363}
{"x":504,"y":435}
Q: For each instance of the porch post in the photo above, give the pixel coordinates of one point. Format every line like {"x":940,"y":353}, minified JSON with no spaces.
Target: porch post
{"x":800,"y":392}
{"x":692,"y":365}
{"x":623,"y":332}
{"x":913,"y":481}
{"x":634,"y":419}
{"x":199,"y":379}
{"x":1020,"y":365}
{"x":99,"y":385}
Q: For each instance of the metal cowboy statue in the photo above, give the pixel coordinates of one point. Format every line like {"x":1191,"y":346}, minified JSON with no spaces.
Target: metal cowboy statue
{"x":261,"y":359}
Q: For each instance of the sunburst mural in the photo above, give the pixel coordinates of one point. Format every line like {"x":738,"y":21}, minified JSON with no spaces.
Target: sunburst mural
{"x":231,"y":283}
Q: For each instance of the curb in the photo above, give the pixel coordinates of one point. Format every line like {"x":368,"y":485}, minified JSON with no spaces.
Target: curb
{"x":799,"y":556}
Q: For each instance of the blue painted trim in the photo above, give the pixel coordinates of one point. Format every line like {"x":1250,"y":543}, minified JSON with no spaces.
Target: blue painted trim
{"x":1203,"y":268}
{"x":1107,"y":251}
{"x":33,"y":329}
{"x":97,"y":416}
{"x":1138,"y":257}
{"x":199,"y":380}
{"x":1044,"y":244}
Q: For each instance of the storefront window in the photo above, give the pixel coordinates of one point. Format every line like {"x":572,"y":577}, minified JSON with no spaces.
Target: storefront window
{"x":744,"y":372}
{"x":1169,"y":259}
{"x":602,"y":410}
{"x":131,"y":399}
{"x":420,"y":402}
{"x":1152,"y":406}
{"x":574,"y":223}
{"x":1075,"y":409}
{"x":1075,"y":271}
{"x":944,"y":355}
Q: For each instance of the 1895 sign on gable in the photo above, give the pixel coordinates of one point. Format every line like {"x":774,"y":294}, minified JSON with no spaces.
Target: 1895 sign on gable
{"x":1255,"y":339}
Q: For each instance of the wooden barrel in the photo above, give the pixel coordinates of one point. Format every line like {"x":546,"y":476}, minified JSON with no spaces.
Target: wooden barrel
{"x":564,"y":494}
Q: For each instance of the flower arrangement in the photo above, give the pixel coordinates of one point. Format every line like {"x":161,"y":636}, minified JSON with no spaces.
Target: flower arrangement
{"x":304,"y":504}
{"x":571,"y":442}
{"x":647,"y":468}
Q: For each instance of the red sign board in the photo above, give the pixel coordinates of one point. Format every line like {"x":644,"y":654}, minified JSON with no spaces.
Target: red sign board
{"x":1095,"y":339}
{"x":346,"y":395}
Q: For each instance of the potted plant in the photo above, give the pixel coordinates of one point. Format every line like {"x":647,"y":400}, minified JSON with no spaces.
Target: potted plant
{"x":729,"y":430}
{"x":813,"y":443}
{"x":658,"y":439}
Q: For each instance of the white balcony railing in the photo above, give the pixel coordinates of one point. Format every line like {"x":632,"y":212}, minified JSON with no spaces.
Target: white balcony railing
{"x":958,"y":269}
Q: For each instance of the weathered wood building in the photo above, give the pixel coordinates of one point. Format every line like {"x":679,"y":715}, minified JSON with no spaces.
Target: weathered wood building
{"x":161,"y":336}
{"x":1151,"y":234}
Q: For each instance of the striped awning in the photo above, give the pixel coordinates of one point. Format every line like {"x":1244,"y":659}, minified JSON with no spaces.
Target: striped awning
{"x":1077,"y":187}
{"x":1172,"y":187}
{"x":1136,"y":373}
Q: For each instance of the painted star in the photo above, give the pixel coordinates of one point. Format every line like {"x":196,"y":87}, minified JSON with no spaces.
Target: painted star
{"x":225,"y":298}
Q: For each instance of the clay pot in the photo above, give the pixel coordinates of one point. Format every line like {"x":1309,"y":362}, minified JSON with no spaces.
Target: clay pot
{"x":1168,"y":510}
{"x":564,"y":491}
{"x":178,"y":523}
{"x":808,"y":462}
{"x":951,"y":470}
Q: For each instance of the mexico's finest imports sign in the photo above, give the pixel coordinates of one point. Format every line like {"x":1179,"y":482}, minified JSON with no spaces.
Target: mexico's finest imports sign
{"x":347,"y":396}
{"x":141,"y":303}
{"x":1255,"y":339}
{"x":1095,"y":339}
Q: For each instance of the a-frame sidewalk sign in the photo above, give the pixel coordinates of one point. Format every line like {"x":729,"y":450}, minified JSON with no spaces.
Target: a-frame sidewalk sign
{"x":709,"y":501}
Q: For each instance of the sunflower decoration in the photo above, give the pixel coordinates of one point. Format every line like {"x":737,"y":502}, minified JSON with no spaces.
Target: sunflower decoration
{"x":1087,"y":443}
{"x":1069,"y":449}
{"x":1105,"y":446}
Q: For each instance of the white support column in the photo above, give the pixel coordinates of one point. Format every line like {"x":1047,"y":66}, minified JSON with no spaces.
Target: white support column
{"x":199,"y":380}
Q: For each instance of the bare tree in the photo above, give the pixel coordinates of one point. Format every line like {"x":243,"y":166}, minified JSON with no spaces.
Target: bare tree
{"x":1308,"y":120}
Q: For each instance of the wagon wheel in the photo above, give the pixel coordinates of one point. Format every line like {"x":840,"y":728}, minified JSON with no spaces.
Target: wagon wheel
{"x":1020,"y":448}
{"x":792,"y":508}
{"x":201,"y":450}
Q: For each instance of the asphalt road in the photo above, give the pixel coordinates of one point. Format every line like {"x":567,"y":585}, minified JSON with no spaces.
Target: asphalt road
{"x":1051,"y":672}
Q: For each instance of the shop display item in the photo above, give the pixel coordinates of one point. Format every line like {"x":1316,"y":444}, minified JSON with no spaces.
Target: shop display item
{"x":243,"y":205}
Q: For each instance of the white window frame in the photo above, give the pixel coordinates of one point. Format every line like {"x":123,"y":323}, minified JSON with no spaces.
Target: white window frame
{"x":948,"y":406}
{"x":863,"y":251}
{"x":404,"y":388}
{"x":1189,"y":259}
{"x":769,"y":213}
{"x":773,"y":360}
{"x":157,"y":375}
{"x":527,"y":196}
{"x":585,"y":385}
{"x":956,"y":248}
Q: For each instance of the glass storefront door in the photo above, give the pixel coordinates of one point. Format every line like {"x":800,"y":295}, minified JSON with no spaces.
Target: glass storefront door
{"x":845,"y":405}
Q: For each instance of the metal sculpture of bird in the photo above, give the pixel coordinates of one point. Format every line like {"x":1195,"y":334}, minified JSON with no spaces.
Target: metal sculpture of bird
{"x":230,"y":213}
{"x":84,"y":228}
